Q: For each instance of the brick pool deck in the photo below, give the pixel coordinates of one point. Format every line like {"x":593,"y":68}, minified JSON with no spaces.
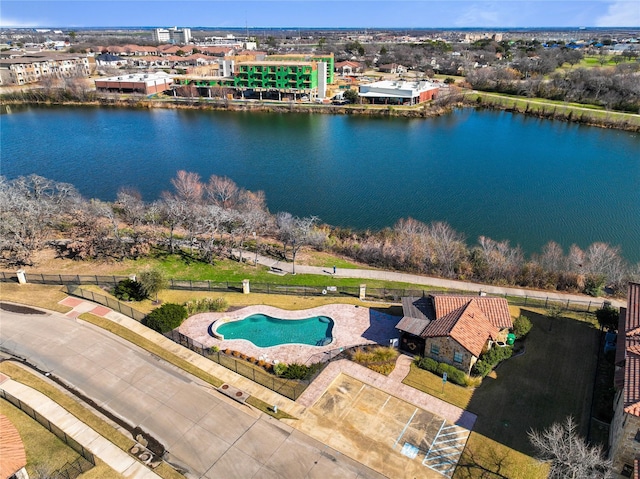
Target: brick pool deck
{"x":353,"y":326}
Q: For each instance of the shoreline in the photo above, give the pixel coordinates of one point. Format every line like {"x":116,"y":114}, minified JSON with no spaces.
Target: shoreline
{"x":427,"y":110}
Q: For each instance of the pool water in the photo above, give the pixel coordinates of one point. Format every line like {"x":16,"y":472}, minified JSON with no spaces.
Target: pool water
{"x":265,"y":331}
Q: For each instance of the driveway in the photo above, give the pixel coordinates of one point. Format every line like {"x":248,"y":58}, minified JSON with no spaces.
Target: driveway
{"x":206,"y":434}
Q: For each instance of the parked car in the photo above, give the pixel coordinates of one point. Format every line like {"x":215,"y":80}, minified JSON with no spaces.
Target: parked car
{"x":610,"y":341}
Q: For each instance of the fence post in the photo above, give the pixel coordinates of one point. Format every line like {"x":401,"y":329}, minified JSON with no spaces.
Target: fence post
{"x":589,"y":307}
{"x":546,"y":302}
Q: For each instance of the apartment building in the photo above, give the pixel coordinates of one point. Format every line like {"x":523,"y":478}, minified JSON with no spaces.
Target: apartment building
{"x":35,"y":67}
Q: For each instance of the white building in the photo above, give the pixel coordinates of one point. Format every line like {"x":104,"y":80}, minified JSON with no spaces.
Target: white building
{"x":180,"y":36}
{"x":398,"y":92}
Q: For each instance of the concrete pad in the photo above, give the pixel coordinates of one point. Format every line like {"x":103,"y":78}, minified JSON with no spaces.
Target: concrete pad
{"x":235,"y":463}
{"x":71,"y":301}
{"x":371,"y":426}
{"x":194,"y":404}
{"x":293,"y":459}
{"x":261,"y":441}
{"x":228,"y":421}
{"x":134,"y":405}
{"x":100,"y":311}
{"x":201,"y":448}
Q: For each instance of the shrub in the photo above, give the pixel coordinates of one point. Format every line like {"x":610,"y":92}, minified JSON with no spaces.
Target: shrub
{"x":454,"y":374}
{"x":521,"y":326}
{"x":295,"y":371}
{"x":594,"y":284}
{"x":279,"y":369}
{"x":165,"y":318}
{"x":206,"y":305}
{"x":489,"y":360}
{"x":608,"y":317}
{"x":427,"y":364}
{"x":129,"y":290}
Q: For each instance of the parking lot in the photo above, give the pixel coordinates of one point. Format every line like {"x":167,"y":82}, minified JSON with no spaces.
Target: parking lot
{"x":383,"y":432}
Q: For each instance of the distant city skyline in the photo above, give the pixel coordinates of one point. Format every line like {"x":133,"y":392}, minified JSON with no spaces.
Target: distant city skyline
{"x":318,"y":14}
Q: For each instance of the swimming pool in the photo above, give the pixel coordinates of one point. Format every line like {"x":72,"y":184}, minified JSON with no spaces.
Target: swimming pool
{"x":265,"y":331}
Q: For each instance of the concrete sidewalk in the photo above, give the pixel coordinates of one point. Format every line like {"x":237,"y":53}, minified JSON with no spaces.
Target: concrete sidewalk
{"x":110,"y":454}
{"x":422,"y":280}
{"x":226,"y":375}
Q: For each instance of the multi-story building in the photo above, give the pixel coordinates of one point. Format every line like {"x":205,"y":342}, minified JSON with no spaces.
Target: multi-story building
{"x":177,"y":35}
{"x":328,"y":59}
{"x":624,"y":437}
{"x":35,"y":67}
{"x":285,"y":78}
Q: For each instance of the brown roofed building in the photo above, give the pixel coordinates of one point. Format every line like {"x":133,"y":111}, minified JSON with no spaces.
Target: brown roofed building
{"x":13,"y":458}
{"x":624,"y":436}
{"x":453,"y":329}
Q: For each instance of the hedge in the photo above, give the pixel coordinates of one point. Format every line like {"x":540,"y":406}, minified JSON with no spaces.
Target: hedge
{"x":454,"y":374}
{"x":165,"y":318}
{"x":491,"y":359}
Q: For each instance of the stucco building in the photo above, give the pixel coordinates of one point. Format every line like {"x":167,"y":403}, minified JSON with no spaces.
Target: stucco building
{"x":34,"y":67}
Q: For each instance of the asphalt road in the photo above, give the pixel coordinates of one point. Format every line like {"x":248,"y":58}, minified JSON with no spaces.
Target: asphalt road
{"x":204,"y":432}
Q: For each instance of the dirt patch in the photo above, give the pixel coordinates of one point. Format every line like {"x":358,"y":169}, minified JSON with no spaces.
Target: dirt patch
{"x":16,"y":308}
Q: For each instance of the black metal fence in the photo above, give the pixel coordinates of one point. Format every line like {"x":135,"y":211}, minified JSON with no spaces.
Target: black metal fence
{"x":37,"y":278}
{"x":72,"y":470}
{"x":67,"y":471}
{"x":111,"y":303}
{"x":372,"y":294}
{"x":291,"y":388}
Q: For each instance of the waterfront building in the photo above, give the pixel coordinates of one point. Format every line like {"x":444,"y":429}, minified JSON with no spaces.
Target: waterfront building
{"x":399,"y":92}
{"x":145,"y":83}
{"x":33,"y":67}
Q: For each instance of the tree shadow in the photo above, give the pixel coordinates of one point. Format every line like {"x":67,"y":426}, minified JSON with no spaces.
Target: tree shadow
{"x":550,"y":381}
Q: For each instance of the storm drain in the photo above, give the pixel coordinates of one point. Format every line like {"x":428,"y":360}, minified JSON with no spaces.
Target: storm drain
{"x":233,"y":392}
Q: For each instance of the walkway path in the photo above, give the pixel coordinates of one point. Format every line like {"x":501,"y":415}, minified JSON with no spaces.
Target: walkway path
{"x":383,"y":275}
{"x":114,"y":457}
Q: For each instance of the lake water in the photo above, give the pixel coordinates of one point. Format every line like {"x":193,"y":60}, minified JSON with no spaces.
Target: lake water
{"x":486,"y":173}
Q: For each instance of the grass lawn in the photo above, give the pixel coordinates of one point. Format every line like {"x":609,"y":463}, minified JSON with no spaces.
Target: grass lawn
{"x":551,"y":380}
{"x":45,"y":452}
{"x":40,"y":295}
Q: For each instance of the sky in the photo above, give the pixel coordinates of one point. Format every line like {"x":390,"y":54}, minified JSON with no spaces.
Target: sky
{"x":318,"y":14}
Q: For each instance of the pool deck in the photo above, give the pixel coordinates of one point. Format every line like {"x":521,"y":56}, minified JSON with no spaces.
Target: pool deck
{"x":353,"y":326}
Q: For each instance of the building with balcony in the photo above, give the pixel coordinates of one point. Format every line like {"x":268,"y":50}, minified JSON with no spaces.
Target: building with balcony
{"x":180,"y":36}
{"x":38,"y":66}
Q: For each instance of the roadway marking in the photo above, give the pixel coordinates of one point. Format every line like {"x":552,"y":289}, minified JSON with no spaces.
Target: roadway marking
{"x":446,"y":449}
{"x":405,"y":428}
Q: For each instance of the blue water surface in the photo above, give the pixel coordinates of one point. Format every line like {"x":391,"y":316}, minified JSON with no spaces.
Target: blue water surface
{"x":265,"y":331}
{"x":497,"y":174}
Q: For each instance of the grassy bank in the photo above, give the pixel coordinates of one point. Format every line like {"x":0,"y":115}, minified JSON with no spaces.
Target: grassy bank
{"x":551,"y":109}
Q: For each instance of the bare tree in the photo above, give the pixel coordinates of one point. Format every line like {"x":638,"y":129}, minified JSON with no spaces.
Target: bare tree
{"x":188,"y":186}
{"x":303,"y":233}
{"x":568,"y":455}
{"x":222,"y":191}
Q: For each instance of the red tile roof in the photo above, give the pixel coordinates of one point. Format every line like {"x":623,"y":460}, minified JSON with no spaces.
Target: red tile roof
{"x":496,"y":310}
{"x":632,"y":349}
{"x":12,"y":455}
{"x":468,"y":325}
